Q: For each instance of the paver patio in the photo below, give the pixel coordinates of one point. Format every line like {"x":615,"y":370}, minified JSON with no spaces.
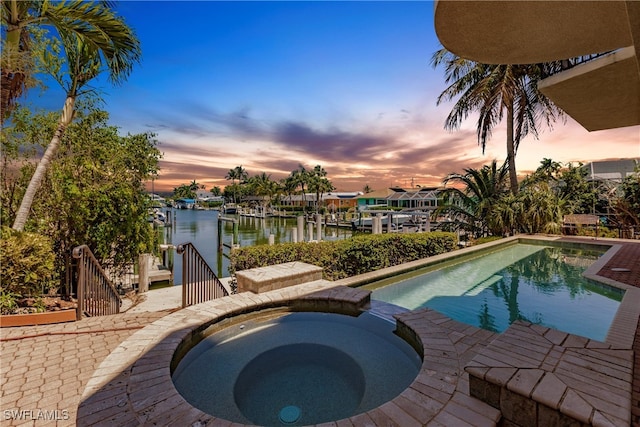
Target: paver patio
{"x":44,"y":369}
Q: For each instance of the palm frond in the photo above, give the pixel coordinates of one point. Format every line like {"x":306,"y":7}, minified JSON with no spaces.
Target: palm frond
{"x":101,"y":29}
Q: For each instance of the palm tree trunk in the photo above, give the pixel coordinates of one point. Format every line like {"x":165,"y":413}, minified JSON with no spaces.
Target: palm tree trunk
{"x":13,"y":78}
{"x":511,"y":152}
{"x":25,"y":206}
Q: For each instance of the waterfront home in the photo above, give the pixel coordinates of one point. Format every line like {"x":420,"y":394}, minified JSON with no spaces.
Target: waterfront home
{"x":404,"y":198}
{"x":332,"y":200}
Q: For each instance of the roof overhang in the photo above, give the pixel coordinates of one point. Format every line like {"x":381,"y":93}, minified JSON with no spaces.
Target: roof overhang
{"x":603,"y":93}
{"x":522,"y":32}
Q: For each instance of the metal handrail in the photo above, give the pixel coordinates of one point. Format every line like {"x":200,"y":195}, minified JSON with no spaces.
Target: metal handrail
{"x":96,"y":295}
{"x":556,"y":67}
{"x":199,"y":282}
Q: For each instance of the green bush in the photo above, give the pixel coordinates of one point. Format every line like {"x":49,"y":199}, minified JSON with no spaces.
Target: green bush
{"x":591,"y":232}
{"x":349,"y":257}
{"x":8,"y":303}
{"x":486,"y":239}
{"x":27,"y":263}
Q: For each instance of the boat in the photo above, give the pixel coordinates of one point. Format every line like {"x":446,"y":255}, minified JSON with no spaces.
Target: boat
{"x":230,"y":208}
{"x":397,"y":221}
{"x":185,"y":203}
{"x":156,"y":216}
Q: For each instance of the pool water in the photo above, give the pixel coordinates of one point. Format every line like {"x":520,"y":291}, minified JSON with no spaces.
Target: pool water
{"x":297,"y":369}
{"x":538,"y":284}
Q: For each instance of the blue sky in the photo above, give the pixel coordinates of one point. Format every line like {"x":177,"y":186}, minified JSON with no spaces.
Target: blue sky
{"x":347,"y":85}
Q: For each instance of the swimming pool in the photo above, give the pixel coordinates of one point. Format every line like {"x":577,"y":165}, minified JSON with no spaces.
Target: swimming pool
{"x":535,"y":283}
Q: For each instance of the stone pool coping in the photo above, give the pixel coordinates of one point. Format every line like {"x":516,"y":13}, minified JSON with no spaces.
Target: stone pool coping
{"x":133,"y":385}
{"x":538,"y":376}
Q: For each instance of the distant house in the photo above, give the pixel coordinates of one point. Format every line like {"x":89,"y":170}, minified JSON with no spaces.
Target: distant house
{"x":332,"y":200}
{"x":207,"y":196}
{"x":404,"y":198}
{"x":611,"y":170}
{"x":336,"y":201}
{"x":374,"y":198}
{"x":422,"y":198}
{"x":299,"y":200}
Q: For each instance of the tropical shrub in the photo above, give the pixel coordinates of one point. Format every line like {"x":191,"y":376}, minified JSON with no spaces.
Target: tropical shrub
{"x":535,"y":209}
{"x":8,"y":303}
{"x":27,"y":267}
{"x":94,"y":190}
{"x":349,"y":257}
{"x":470,"y":207}
{"x":591,"y":232}
{"x":627,"y":205}
{"x":486,"y":239}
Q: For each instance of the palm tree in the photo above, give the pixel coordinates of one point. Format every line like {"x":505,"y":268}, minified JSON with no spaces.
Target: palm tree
{"x":324,"y":186}
{"x":194,"y":186}
{"x":495,"y":91}
{"x":238,"y":173}
{"x":548,"y":169}
{"x":301,"y":177}
{"x":105,"y":41}
{"x":241,"y":173}
{"x":93,"y":22}
{"x":288,"y":186}
{"x":263,"y":186}
{"x":231,"y":176}
{"x":318,"y":183}
{"x":471,"y":206}
{"x":367,"y":189}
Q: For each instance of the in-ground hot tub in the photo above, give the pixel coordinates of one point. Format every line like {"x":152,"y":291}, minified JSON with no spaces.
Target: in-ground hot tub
{"x":282,"y":368}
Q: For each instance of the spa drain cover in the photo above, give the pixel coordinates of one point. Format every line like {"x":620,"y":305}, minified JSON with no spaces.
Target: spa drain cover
{"x":289,"y":414}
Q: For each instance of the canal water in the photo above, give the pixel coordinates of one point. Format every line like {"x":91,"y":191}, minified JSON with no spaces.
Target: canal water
{"x":200,"y":227}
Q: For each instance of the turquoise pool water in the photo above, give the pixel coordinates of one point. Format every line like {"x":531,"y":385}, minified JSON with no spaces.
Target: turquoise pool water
{"x":539,"y":284}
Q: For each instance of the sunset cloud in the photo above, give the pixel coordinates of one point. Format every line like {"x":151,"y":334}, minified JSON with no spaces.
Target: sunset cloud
{"x":352,"y":90}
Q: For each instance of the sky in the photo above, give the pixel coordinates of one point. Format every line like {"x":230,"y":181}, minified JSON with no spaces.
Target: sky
{"x":346,"y":85}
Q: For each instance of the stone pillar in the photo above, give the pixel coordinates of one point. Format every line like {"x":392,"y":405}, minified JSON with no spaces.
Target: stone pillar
{"x":294,"y":235}
{"x":428,"y":224}
{"x":272,"y":239}
{"x":389,"y":223}
{"x":378,"y":219}
{"x":300,"y":225}
{"x":144,"y":265}
{"x":318,"y":227}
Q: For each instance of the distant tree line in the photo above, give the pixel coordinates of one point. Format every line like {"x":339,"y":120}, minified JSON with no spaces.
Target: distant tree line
{"x":261,"y":187}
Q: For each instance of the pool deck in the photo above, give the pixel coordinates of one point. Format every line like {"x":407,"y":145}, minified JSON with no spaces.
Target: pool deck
{"x":48,"y":372}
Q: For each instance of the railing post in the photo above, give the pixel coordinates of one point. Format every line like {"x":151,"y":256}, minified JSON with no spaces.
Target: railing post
{"x":180,"y":250}
{"x":77,"y":254}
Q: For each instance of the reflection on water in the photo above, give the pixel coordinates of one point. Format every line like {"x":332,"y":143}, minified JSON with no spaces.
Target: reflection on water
{"x":200,"y":227}
{"x":542,"y":285}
